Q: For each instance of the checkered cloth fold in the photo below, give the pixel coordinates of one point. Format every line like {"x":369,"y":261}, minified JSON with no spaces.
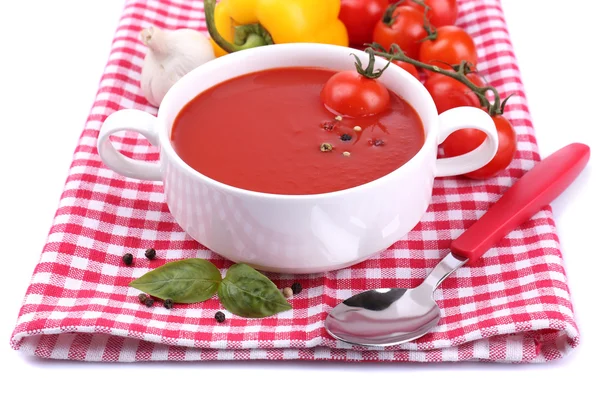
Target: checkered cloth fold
{"x":513,"y":305}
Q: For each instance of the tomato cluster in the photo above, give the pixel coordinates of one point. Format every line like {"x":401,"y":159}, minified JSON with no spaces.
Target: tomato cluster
{"x":425,"y":30}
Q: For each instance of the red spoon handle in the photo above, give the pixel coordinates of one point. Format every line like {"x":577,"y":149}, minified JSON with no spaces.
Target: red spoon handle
{"x":536,"y":189}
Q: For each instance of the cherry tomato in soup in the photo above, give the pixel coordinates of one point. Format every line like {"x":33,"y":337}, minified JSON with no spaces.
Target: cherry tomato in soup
{"x":448,"y":92}
{"x":356,"y":93}
{"x":465,"y":140}
{"x":408,"y":67}
{"x":401,"y":25}
{"x":441,"y":13}
{"x":360,"y":17}
{"x":451,"y":46}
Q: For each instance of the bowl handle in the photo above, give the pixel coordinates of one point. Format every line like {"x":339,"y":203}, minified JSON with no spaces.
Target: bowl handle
{"x":134,"y":120}
{"x":460,"y":118}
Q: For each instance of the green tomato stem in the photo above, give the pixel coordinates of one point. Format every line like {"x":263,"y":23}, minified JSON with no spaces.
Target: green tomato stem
{"x":370,"y":71}
{"x":432,"y":33}
{"x":388,"y":16}
{"x":459,"y":72}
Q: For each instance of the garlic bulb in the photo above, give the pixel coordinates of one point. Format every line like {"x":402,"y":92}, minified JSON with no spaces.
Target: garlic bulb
{"x":171,"y":54}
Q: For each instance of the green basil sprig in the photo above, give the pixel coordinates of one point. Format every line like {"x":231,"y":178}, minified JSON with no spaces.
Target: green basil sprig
{"x":244,"y":291}
{"x":184,"y":281}
{"x":247,"y":292}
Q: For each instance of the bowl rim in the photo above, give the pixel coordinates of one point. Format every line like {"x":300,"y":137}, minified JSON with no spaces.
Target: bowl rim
{"x":232,"y":59}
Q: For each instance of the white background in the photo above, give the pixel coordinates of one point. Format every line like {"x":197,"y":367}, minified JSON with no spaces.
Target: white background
{"x":52,"y":54}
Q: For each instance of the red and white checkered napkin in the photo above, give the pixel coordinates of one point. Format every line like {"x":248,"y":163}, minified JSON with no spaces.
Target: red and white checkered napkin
{"x":513,"y":305}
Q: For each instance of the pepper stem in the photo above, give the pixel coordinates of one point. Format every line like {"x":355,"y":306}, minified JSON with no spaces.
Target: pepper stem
{"x":246,"y":36}
{"x":370,"y":71}
{"x":458,"y":72}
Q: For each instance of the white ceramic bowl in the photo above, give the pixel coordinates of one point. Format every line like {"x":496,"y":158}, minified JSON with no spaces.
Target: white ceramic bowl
{"x":297,"y":233}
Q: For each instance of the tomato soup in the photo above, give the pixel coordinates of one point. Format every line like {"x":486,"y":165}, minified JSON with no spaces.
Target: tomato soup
{"x":270,"y":132}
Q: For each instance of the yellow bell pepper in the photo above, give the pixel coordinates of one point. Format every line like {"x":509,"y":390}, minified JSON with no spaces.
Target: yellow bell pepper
{"x":240,"y":24}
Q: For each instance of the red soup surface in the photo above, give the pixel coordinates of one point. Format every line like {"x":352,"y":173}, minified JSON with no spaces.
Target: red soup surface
{"x":265,"y":132}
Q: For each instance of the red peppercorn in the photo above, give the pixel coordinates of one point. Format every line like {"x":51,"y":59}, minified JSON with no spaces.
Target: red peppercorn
{"x":328,"y":126}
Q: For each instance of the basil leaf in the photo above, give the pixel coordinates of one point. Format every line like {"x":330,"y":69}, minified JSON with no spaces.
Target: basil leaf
{"x":246,"y":292}
{"x":184,"y":281}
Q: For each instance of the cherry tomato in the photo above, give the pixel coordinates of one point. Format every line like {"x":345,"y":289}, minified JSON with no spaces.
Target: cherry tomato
{"x":360,"y":17}
{"x":408,"y":67}
{"x":351,"y":94}
{"x":404,"y":27}
{"x":442,"y":12}
{"x":465,"y":140}
{"x":451,"y":46}
{"x":449,"y":93}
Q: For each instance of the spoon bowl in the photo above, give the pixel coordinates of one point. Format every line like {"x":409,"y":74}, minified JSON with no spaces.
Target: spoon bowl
{"x":355,"y":324}
{"x":385,"y":317}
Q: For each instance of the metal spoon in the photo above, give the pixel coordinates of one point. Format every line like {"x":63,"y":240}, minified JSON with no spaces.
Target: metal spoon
{"x":385,"y":317}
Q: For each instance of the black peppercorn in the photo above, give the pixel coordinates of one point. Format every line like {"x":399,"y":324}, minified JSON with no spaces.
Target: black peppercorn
{"x":168,"y":303}
{"x":149,"y":302}
{"x":142,"y":297}
{"x":345,"y":137}
{"x":219,"y":316}
{"x":128,"y":258}
{"x":296,"y":288}
{"x":150,"y":254}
